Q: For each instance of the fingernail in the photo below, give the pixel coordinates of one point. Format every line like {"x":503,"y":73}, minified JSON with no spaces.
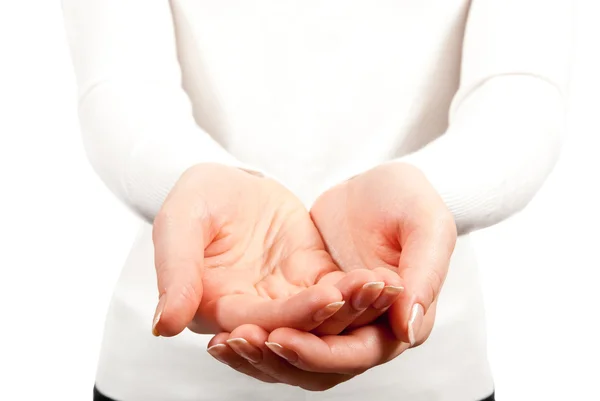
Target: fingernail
{"x":367,"y":293}
{"x":286,"y":354}
{"x":328,"y":311}
{"x":244,"y":349}
{"x":216,"y":350}
{"x":158,"y":314}
{"x":387,"y":297}
{"x":414,"y":323}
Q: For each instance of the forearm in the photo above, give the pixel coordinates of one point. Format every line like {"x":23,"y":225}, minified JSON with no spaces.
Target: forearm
{"x":507,"y":117}
{"x":501,"y":145}
{"x":136,"y":120}
{"x":140,"y":139}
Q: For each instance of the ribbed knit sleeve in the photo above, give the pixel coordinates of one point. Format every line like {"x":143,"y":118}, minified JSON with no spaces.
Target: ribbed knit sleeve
{"x":508,"y":116}
{"x":136,"y":120}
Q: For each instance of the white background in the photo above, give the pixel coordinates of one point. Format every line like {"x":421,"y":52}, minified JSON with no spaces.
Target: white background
{"x":63,"y":237}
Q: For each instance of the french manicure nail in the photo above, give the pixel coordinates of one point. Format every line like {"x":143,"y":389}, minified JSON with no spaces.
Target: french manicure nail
{"x":285,"y":353}
{"x":158,"y":314}
{"x":387,"y":297}
{"x":366,"y":295}
{"x":328,"y":311}
{"x":414,"y":323}
{"x":244,"y":349}
{"x":216,"y":350}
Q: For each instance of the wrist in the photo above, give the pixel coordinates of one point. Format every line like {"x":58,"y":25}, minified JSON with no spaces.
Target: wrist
{"x":391,"y":170}
{"x":205,"y":170}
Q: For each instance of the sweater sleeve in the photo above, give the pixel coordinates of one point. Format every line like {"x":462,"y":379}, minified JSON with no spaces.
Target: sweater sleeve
{"x":136,"y":120}
{"x":507,"y":118}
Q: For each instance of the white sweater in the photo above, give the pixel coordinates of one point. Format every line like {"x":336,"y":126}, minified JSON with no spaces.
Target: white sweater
{"x":312,"y":92}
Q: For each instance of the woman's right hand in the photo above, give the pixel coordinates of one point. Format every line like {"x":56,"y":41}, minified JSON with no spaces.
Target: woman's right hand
{"x":312,"y":362}
{"x":234,"y":248}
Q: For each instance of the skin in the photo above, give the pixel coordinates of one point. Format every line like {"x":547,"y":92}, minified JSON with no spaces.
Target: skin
{"x":387,"y":217}
{"x":233,"y":248}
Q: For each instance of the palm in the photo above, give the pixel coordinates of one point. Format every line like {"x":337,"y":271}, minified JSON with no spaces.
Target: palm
{"x":391,"y":217}
{"x":261,"y":246}
{"x":358,"y":235}
{"x":233,"y":248}
{"x":358,"y":232}
{"x":268,"y":249}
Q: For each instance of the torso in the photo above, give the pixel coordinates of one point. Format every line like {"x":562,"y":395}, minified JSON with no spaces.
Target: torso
{"x":358,"y":82}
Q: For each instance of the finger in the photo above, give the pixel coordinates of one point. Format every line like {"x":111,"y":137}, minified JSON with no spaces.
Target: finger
{"x":220,"y":349}
{"x":220,"y":338}
{"x":353,"y":353}
{"x":278,"y":368}
{"x":361,"y":289}
{"x":390,"y":293}
{"x":425,"y":329}
{"x":304,"y":310}
{"x":179,"y":234}
{"x":308,"y":268}
{"x":426,"y":251}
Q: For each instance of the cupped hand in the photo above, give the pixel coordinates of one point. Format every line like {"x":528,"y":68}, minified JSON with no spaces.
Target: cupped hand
{"x":234,"y":248}
{"x":391,"y":217}
{"x":387,"y":218}
{"x":302,"y":359}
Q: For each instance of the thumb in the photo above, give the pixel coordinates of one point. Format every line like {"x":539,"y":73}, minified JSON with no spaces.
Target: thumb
{"x":423,"y":265}
{"x":179,"y":233}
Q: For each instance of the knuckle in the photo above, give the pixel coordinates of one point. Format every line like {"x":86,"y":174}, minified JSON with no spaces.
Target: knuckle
{"x":236,"y":364}
{"x":446,"y":225}
{"x":170,"y":214}
{"x":326,"y":382}
{"x":443,"y":231}
{"x":200,"y":211}
{"x":169,"y":271}
{"x":189,"y":293}
{"x":362,"y":364}
{"x":435,"y":280}
{"x":359,"y":370}
{"x":162,"y":220}
{"x":164,"y":271}
{"x":168,"y":266}
{"x":386,"y":274}
{"x":440,"y":215}
{"x":320,"y":385}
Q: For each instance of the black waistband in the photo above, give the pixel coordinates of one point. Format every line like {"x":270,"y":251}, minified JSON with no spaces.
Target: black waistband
{"x":98,"y":396}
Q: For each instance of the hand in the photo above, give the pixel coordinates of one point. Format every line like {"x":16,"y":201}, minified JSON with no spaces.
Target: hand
{"x":234,"y":248}
{"x":305,"y":360}
{"x":391,"y":217}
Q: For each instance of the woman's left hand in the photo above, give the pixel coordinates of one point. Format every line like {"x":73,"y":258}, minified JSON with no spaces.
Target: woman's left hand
{"x":391,"y":217}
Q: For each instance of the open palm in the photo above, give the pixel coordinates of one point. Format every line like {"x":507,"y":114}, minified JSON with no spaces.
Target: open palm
{"x":263,"y":252}
{"x":391,"y":216}
{"x":234,"y":248}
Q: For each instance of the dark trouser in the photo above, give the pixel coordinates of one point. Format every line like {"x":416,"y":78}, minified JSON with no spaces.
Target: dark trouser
{"x":99,"y":397}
